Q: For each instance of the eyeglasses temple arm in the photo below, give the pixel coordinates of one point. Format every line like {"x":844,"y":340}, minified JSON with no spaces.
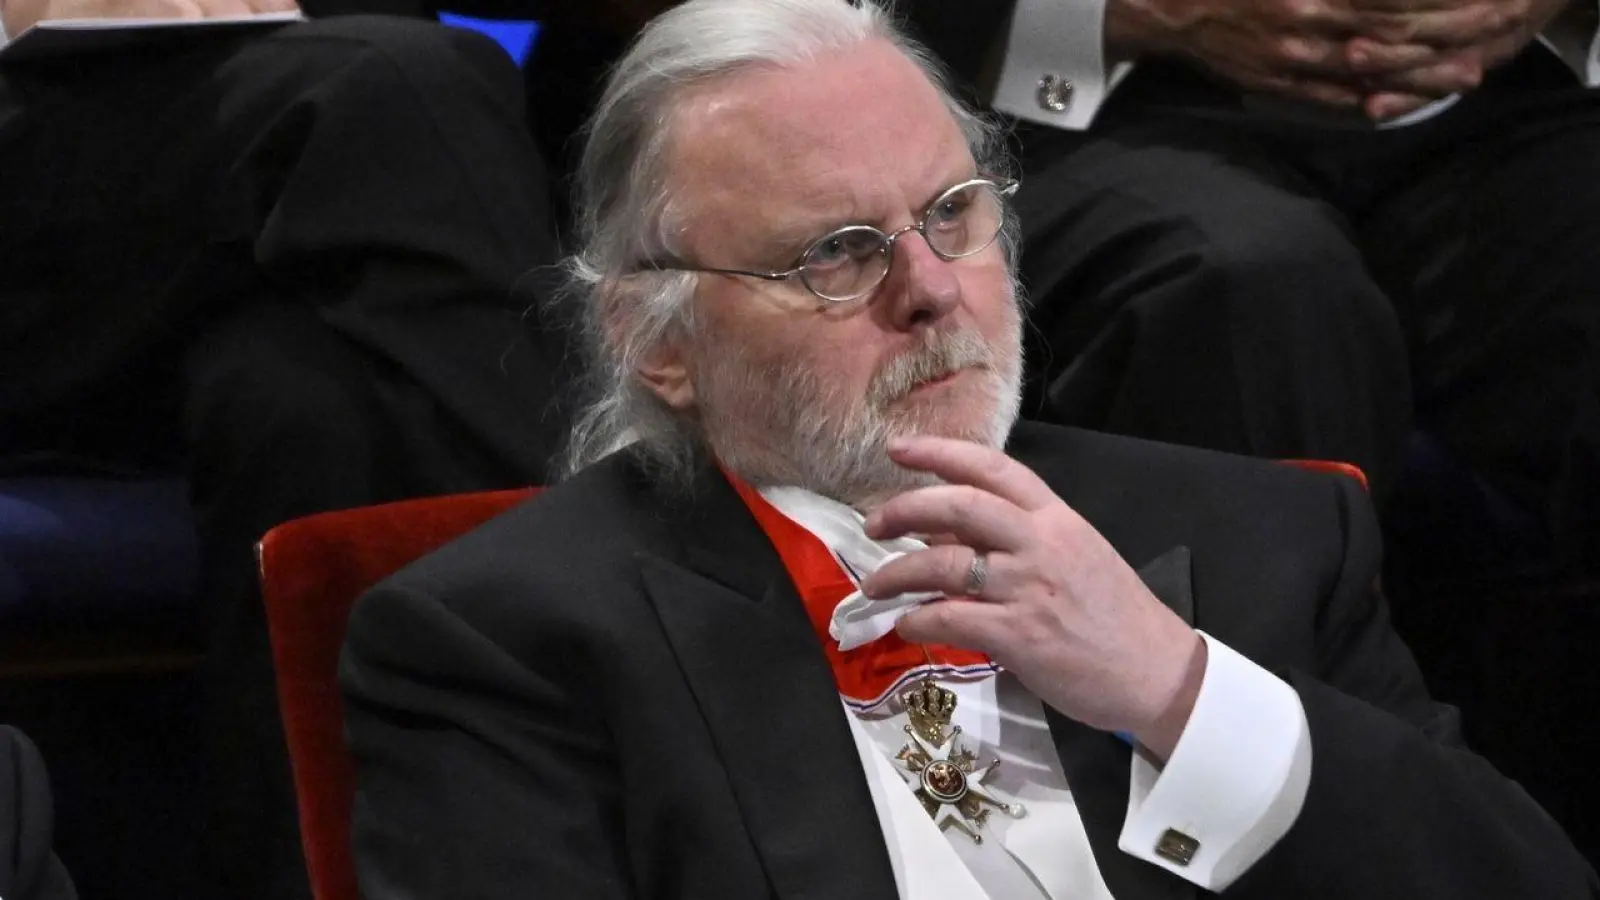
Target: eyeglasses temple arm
{"x":658,"y":265}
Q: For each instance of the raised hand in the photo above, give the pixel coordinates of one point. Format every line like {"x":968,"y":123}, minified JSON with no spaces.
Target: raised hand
{"x":1058,"y":607}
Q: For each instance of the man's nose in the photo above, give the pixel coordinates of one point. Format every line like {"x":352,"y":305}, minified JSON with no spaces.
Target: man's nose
{"x":923,"y":287}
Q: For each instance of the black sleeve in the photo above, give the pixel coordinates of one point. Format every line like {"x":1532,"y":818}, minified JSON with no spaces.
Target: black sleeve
{"x":964,"y":34}
{"x":1397,"y":806}
{"x":28,"y":868}
{"x":478,"y":778}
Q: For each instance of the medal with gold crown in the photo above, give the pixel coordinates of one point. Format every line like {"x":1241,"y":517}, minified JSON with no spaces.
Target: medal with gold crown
{"x":944,"y":775}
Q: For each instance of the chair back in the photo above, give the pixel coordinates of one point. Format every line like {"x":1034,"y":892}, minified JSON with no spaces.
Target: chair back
{"x":312,"y":571}
{"x":1331,"y":467}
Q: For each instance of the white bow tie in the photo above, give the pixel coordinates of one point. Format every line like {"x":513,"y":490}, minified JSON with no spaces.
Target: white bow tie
{"x":857,"y":620}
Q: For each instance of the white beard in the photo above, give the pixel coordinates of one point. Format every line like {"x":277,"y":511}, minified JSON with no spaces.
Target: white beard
{"x":781,"y":422}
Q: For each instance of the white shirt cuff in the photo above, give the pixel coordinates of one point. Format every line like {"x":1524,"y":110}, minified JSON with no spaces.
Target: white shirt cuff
{"x":1235,"y":782}
{"x":1063,"y":40}
{"x":1580,"y":50}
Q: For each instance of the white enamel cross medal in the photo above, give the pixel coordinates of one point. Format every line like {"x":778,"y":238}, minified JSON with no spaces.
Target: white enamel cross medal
{"x":944,"y":776}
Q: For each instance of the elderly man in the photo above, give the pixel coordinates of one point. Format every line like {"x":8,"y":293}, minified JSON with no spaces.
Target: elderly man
{"x":811,"y":632}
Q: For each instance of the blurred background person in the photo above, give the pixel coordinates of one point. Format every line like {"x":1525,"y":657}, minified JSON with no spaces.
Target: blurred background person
{"x":292,"y":266}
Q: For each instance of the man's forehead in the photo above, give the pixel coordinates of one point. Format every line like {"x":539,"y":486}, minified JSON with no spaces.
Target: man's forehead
{"x":822,"y":132}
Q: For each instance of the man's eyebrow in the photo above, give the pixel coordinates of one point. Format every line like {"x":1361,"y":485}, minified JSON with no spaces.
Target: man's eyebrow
{"x":784,"y":246}
{"x":967,"y":174}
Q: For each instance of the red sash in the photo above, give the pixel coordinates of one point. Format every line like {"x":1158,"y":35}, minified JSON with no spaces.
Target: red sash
{"x":870,"y":674}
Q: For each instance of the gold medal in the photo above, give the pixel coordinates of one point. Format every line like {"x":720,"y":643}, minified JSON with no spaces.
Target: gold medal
{"x":944,"y":776}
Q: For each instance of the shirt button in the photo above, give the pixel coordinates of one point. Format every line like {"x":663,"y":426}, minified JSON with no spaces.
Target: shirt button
{"x":1055,"y":93}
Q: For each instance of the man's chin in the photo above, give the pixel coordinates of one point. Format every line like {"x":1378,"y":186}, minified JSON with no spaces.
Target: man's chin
{"x":891,"y":485}
{"x":958,"y":411}
{"x":978,"y":430}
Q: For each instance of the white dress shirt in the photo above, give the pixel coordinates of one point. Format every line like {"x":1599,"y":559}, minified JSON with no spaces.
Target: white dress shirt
{"x":1235,"y":783}
{"x":1065,"y":40}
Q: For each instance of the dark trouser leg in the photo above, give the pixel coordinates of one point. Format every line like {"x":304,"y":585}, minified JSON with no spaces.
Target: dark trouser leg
{"x":1184,"y":290}
{"x":286,"y":418}
{"x":1489,"y":246}
{"x":376,"y":170}
{"x":1490,"y":255}
{"x":311,"y":239}
{"x":413,"y":216}
{"x":444,"y":389}
{"x":283,"y":420}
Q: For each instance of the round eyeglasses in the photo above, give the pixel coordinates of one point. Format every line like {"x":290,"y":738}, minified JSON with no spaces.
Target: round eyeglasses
{"x":850,"y":262}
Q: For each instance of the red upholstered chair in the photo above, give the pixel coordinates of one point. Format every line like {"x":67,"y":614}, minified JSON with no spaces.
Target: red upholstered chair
{"x":312,"y":571}
{"x":1336,"y":468}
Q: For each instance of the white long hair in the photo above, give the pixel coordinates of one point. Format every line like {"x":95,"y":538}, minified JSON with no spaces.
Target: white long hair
{"x":624,"y":201}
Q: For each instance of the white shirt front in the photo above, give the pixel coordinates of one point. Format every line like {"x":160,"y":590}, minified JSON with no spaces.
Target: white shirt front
{"x":1020,"y":858}
{"x":1066,"y":39}
{"x":1235,"y":782}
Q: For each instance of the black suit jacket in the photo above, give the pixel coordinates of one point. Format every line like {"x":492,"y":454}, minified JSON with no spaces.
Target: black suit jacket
{"x":968,"y":37}
{"x":614,"y":692}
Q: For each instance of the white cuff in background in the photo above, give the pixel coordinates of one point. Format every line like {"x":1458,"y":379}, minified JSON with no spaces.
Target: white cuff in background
{"x":1579,"y":49}
{"x":1064,"y":39}
{"x":1235,"y":782}
{"x":1593,"y":74}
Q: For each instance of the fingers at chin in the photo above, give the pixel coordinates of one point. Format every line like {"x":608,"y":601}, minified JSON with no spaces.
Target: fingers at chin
{"x":964,"y":462}
{"x":969,"y":514}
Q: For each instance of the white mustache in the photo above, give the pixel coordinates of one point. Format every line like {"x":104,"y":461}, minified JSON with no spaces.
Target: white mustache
{"x":942,"y":354}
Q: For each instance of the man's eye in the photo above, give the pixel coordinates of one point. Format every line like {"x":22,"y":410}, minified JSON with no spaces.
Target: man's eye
{"x":844,"y":248}
{"x":949,"y":211}
{"x":828,"y":252}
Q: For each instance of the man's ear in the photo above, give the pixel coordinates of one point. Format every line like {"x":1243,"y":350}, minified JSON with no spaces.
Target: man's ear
{"x":665,"y":369}
{"x":666,"y":373}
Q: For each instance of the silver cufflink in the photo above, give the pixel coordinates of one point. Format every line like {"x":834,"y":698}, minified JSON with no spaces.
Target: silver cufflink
{"x":1055,"y":93}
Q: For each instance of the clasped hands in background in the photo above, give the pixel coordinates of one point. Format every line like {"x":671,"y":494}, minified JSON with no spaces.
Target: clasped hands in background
{"x":1383,"y":57}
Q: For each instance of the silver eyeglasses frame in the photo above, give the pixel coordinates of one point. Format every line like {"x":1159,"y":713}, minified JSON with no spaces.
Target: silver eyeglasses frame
{"x":1002,"y":187}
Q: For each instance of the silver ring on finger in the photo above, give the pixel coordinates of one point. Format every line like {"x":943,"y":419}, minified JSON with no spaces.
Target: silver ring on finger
{"x":977,"y":575}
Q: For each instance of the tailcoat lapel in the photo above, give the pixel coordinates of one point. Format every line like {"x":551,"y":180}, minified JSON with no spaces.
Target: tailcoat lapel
{"x":768,"y":698}
{"x":1097,"y":764}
